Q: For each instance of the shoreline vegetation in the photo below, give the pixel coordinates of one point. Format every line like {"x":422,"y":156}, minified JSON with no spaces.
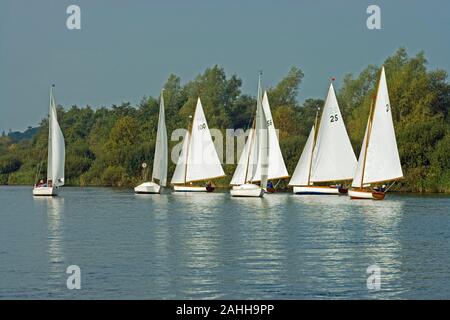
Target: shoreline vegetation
{"x":106,"y":146}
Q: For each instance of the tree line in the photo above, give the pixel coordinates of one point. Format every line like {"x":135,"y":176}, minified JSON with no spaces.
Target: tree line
{"x":106,"y":146}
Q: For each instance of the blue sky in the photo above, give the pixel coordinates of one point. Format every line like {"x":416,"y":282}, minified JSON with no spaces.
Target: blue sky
{"x":127,"y":49}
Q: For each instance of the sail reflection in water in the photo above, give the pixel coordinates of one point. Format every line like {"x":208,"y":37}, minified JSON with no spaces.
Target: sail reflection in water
{"x":201,"y":245}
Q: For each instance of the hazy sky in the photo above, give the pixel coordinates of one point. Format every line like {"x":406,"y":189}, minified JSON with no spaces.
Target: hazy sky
{"x":126,"y":49}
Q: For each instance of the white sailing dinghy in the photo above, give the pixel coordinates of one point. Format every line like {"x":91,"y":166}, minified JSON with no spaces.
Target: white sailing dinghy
{"x":379,"y":161}
{"x":328,"y":155}
{"x":276,"y":166}
{"x":198,"y":160}
{"x":253,"y":166}
{"x":159,"y":171}
{"x":56,"y":156}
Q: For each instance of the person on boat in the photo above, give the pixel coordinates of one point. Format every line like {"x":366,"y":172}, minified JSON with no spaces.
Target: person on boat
{"x":41,"y":183}
{"x":209,"y":186}
{"x":269,"y":185}
{"x":380,"y":189}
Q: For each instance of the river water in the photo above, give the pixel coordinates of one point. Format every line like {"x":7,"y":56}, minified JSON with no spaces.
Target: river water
{"x":212,"y":246}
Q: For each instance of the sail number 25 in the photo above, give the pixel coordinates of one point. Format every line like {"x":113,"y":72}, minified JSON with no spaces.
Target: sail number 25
{"x":334,"y":118}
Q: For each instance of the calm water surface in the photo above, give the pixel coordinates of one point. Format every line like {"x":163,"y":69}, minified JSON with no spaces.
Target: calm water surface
{"x":183,"y":246}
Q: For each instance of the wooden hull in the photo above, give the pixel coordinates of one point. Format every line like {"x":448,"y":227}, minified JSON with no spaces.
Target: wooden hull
{"x":45,"y":191}
{"x":148,"y":188}
{"x":366,"y":194}
{"x":316,"y":190}
{"x":177,"y":188}
{"x":247,"y":190}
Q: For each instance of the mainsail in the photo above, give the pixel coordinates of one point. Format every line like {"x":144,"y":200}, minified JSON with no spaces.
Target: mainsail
{"x":379,"y":160}
{"x":253,"y":163}
{"x":277,"y":168}
{"x":161,"y":158}
{"x":198,"y":160}
{"x":262,"y":138}
{"x":333,"y":157}
{"x":56,"y":147}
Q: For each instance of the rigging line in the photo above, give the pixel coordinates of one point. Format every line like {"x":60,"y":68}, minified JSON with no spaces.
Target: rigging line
{"x":390,"y":186}
{"x":278,"y":182}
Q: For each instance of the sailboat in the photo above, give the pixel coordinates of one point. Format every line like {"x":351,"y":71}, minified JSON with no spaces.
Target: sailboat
{"x":277,"y":168}
{"x":56,"y":156}
{"x":253,"y":165}
{"x":379,"y":161}
{"x":159,"y":171}
{"x":198,"y":160}
{"x":328,"y":155}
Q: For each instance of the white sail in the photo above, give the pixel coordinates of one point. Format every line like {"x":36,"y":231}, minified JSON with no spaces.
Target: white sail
{"x":56,"y":148}
{"x":277,"y":168}
{"x":382,"y":161}
{"x":333,"y":157}
{"x":179,"y":175}
{"x":300,"y":176}
{"x":243,"y":172}
{"x":262,"y":138}
{"x":160,"y":159}
{"x":203,"y":161}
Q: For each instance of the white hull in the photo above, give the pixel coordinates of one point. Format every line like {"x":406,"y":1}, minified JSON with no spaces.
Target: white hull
{"x":315,"y":190}
{"x":45,"y":191}
{"x":148,"y":187}
{"x":189,"y":189}
{"x":365,"y":194}
{"x":247,"y":190}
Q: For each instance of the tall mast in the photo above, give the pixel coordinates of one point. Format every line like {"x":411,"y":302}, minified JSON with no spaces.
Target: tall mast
{"x":316,"y":130}
{"x":369,"y":128}
{"x":254,"y":136}
{"x":50,"y":147}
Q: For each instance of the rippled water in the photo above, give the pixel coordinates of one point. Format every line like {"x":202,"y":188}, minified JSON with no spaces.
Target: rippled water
{"x":213,"y":246}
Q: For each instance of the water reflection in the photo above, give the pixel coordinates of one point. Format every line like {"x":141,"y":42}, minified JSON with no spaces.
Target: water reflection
{"x":384,"y":248}
{"x":54,"y":207}
{"x":214,"y":246}
{"x":196,"y":253}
